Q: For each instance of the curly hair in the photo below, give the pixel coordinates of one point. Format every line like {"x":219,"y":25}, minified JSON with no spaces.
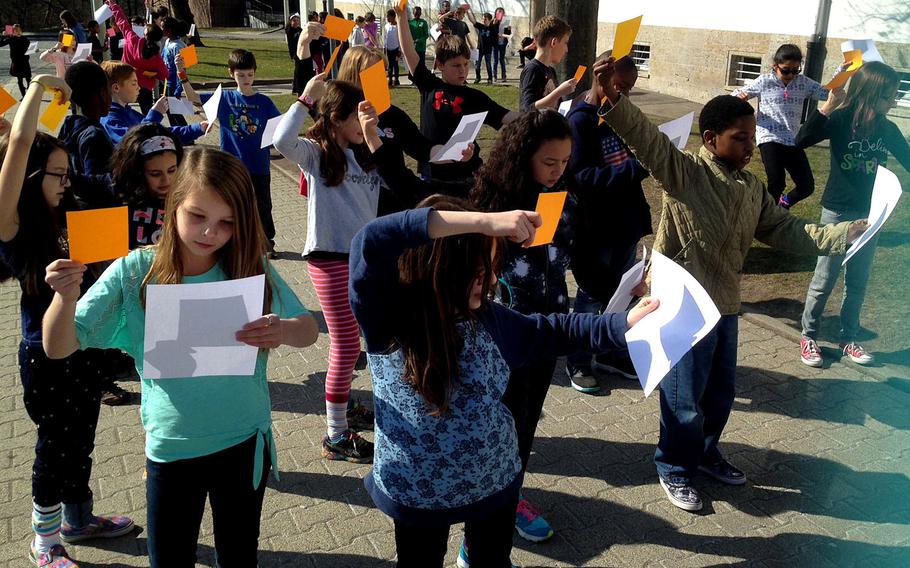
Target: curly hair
{"x":128,"y":163}
{"x":505,"y":181}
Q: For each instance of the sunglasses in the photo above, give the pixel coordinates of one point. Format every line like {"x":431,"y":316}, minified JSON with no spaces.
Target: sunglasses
{"x":789,"y":70}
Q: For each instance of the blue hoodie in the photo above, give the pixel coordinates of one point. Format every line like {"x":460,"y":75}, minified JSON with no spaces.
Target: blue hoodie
{"x":121,"y":118}
{"x":90,"y":151}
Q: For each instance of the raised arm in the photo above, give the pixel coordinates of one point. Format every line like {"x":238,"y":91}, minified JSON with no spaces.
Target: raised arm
{"x":406,"y":41}
{"x":312,"y":31}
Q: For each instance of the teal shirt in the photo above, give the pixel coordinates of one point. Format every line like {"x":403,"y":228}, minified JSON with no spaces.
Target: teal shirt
{"x":189,"y":417}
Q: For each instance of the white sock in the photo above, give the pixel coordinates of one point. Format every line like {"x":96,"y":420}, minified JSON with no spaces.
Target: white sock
{"x":336,"y":417}
{"x":46,"y":524}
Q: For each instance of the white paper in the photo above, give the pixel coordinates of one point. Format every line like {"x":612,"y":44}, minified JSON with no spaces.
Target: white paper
{"x":678,"y":129}
{"x":139,"y":30}
{"x":685,"y":315}
{"x":192,"y":32}
{"x":103,"y":13}
{"x":434,"y":32}
{"x":83,"y":51}
{"x":632,"y":278}
{"x":178,"y":105}
{"x":122,"y":43}
{"x":32,"y":48}
{"x":505,"y":23}
{"x":211,"y":108}
{"x":866,"y":46}
{"x":565,"y":107}
{"x":885,"y":194}
{"x":475,"y":54}
{"x":465,"y":133}
{"x":189,"y":328}
{"x":269,"y":131}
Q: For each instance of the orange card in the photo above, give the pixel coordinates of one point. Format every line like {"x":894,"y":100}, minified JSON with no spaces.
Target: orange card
{"x":98,"y":234}
{"x":190,"y":57}
{"x":6,"y":101}
{"x":338,"y":28}
{"x":54,"y":113}
{"x":549,"y":205}
{"x":580,"y":72}
{"x":625,"y":37}
{"x":376,"y":87}
{"x":402,"y":5}
{"x":855,"y":59}
{"x":68,"y":40}
{"x":328,"y":67}
{"x":600,"y":119}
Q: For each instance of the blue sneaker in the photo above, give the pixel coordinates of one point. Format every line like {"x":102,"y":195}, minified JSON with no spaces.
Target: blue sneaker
{"x":530,"y":524}
{"x":463,"y":561}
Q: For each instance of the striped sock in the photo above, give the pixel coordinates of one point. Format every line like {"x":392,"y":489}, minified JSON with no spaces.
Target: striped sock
{"x":46,"y":524}
{"x":336,"y":416}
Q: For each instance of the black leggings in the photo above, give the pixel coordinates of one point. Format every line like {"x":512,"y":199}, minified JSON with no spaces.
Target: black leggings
{"x":524,"y":397}
{"x":779,"y":158}
{"x":23,"y":83}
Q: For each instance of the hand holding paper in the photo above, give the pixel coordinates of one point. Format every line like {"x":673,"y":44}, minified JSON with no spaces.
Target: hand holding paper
{"x":64,"y":277}
{"x":885,"y":194}
{"x":375,"y":87}
{"x":465,"y":133}
{"x":262,"y":333}
{"x":211,"y":108}
{"x":54,"y":113}
{"x":190,"y":57}
{"x":98,"y":234}
{"x":625,"y":37}
{"x":549,"y":206}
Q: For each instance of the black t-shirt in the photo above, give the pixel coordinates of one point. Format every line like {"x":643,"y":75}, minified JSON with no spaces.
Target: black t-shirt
{"x":146,"y":221}
{"x":537,"y":81}
{"x":442,"y":106}
{"x":486,"y":36}
{"x":399,"y":136}
{"x":459,"y":28}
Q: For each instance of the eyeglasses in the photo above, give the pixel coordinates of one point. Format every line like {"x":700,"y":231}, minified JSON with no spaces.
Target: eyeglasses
{"x":789,"y":70}
{"x":64,"y":178}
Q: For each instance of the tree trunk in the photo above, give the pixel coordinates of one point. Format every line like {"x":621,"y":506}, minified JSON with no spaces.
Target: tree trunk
{"x":181,"y":10}
{"x":582,"y":15}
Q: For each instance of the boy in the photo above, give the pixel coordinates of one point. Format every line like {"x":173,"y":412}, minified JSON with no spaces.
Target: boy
{"x":487,"y":35}
{"x":420,"y":31}
{"x":124,"y":91}
{"x":712,"y":210}
{"x":98,"y":44}
{"x":173,"y":31}
{"x":444,"y":101}
{"x":242,"y":116}
{"x":114,"y":42}
{"x":612,"y":216}
{"x":537,"y":85}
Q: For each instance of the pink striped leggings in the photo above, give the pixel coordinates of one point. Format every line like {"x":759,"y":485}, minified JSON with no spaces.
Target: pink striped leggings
{"x":330,"y":278}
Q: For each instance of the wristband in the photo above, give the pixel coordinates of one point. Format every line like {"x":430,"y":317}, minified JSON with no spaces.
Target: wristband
{"x":182,"y":76}
{"x":307,"y":101}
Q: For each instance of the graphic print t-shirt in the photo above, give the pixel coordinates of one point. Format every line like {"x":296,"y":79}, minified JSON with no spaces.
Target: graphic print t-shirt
{"x":242,"y":120}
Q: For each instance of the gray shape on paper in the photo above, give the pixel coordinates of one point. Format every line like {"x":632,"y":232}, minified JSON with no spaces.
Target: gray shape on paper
{"x":212,"y":322}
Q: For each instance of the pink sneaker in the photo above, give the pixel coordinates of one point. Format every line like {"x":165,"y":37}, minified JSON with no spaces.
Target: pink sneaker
{"x":56,"y":557}
{"x":857,"y":353}
{"x":810,"y":353}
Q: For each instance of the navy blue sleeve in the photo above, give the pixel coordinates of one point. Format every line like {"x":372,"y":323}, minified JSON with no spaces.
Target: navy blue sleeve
{"x":188,"y":134}
{"x":373,"y":285}
{"x":524,"y":339}
{"x":587,"y":161}
{"x":96,"y":150}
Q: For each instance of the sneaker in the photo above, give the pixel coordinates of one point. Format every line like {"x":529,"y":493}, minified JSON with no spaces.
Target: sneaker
{"x":725,"y":472}
{"x":477,"y":81}
{"x":621,"y":365}
{"x":360,"y":417}
{"x":102,"y":527}
{"x":810,"y":354}
{"x":530,"y":524}
{"x":56,"y":557}
{"x":683,"y":495}
{"x":463,"y":561}
{"x":582,"y":380}
{"x":351,"y":448}
{"x":783,"y":202}
{"x":113,"y":395}
{"x":857,"y":353}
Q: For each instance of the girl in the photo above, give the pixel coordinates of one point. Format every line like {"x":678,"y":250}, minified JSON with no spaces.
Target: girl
{"x":530,"y":158}
{"x":861,"y":137}
{"x":356,"y":39}
{"x":343,"y":196}
{"x":19,"y":66}
{"x":370,"y":30}
{"x":143,"y":53}
{"x":440,"y":353}
{"x":70,"y":24}
{"x":205,"y":436}
{"x":292,"y":33}
{"x":62,"y":397}
{"x":60,"y":55}
{"x":99,"y":44}
{"x":502,"y":44}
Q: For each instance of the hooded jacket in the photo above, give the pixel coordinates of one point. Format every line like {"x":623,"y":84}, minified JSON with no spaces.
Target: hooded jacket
{"x":121,"y":118}
{"x":148,"y":71}
{"x":90,"y":151}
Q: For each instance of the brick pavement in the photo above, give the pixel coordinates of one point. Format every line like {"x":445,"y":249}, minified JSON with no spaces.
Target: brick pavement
{"x":826,"y":452}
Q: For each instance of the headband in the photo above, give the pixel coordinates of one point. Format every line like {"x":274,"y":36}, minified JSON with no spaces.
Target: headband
{"x":157,"y":144}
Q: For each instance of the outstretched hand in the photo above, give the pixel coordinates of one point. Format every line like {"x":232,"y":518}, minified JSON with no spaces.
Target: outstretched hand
{"x":856,"y":229}
{"x":64,"y":277}
{"x":517,"y":226}
{"x":641,"y":309}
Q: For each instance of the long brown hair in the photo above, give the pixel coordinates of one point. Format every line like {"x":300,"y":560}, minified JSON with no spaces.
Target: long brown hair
{"x":873,"y":82}
{"x":244,"y":254}
{"x":340,"y":100}
{"x":438,"y":278}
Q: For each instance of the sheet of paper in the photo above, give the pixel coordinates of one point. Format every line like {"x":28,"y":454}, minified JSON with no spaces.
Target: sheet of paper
{"x":678,"y":129}
{"x":192,"y":32}
{"x":211,"y":108}
{"x":565,"y":107}
{"x":179,"y":105}
{"x":549,"y":205}
{"x":139,"y":30}
{"x":625,"y":37}
{"x":7,"y":101}
{"x":68,"y":40}
{"x":465,"y":133}
{"x":885,"y":194}
{"x":435,"y":32}
{"x":686,"y":314}
{"x":32,"y":48}
{"x":475,"y":54}
{"x":54,"y":113}
{"x":334,"y":56}
{"x":376,"y":86}
{"x":83,"y":51}
{"x":338,"y":28}
{"x":632,"y":278}
{"x":580,"y":72}
{"x":866,"y":46}
{"x":122,"y":43}
{"x":103,"y":13}
{"x":189,"y":328}
{"x":98,"y":234}
{"x":111,"y":32}
{"x":268,"y":133}
{"x":190,"y":57}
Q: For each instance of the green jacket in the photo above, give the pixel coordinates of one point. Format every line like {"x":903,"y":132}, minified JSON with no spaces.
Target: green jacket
{"x":420,"y":31}
{"x":711,"y":213}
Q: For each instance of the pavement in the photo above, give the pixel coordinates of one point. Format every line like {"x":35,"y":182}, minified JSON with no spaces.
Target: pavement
{"x":826,"y":451}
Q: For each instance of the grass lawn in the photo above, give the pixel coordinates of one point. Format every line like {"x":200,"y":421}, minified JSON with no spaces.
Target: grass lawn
{"x":272,"y":60}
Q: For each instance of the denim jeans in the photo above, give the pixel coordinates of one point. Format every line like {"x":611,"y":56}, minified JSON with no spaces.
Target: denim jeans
{"x":855,"y":279}
{"x":485,"y":57}
{"x":695,"y":401}
{"x":499,"y":59}
{"x":176,"y":493}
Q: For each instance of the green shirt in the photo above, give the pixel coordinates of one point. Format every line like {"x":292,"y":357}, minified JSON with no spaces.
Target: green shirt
{"x":420,"y":31}
{"x":189,"y":417}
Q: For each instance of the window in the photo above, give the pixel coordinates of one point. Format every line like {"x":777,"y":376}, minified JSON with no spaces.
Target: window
{"x":743,"y":68}
{"x":641,"y":55}
{"x":903,"y":90}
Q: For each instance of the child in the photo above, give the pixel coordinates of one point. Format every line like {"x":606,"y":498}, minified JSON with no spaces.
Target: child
{"x":782,"y":94}
{"x":357,"y":36}
{"x":537,"y":85}
{"x":343,"y":196}
{"x":420,"y":33}
{"x":125,"y":90}
{"x":173,"y":31}
{"x":861,"y":137}
{"x":61,"y":397}
{"x":440,"y":353}
{"x":613,"y":215}
{"x":712,"y":210}
{"x":69,"y":23}
{"x":19,"y":66}
{"x":392,"y":48}
{"x":205,"y":436}
{"x":443,"y":103}
{"x":487,"y":36}
{"x":144,"y":54}
{"x":116,"y":50}
{"x":292,"y":32}
{"x":370,"y":30}
{"x":60,"y":55}
{"x":501,"y":45}
{"x":99,"y":45}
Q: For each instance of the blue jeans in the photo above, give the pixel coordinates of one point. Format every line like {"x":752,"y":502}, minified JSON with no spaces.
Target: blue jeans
{"x":486,"y":58}
{"x":695,"y":401}
{"x":499,"y":59}
{"x":855,"y":279}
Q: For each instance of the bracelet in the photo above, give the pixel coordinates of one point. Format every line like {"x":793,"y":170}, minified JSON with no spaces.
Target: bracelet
{"x":307,"y":101}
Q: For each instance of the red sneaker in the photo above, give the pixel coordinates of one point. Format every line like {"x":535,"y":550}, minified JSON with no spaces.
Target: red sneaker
{"x":857,"y":353}
{"x":810,"y":354}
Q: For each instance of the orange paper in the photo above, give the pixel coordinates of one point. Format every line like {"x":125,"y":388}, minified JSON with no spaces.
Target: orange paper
{"x":402,"y":5}
{"x":328,"y":67}
{"x":376,"y":87}
{"x":6,"y":101}
{"x":549,"y":205}
{"x":580,"y":72}
{"x":98,"y":234}
{"x":54,"y":113}
{"x":338,"y":28}
{"x":600,"y":119}
{"x":68,"y":40}
{"x":855,"y":59}
{"x":625,"y":37}
{"x":190,"y":57}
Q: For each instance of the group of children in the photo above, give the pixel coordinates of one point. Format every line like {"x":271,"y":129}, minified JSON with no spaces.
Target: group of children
{"x":463,"y":321}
